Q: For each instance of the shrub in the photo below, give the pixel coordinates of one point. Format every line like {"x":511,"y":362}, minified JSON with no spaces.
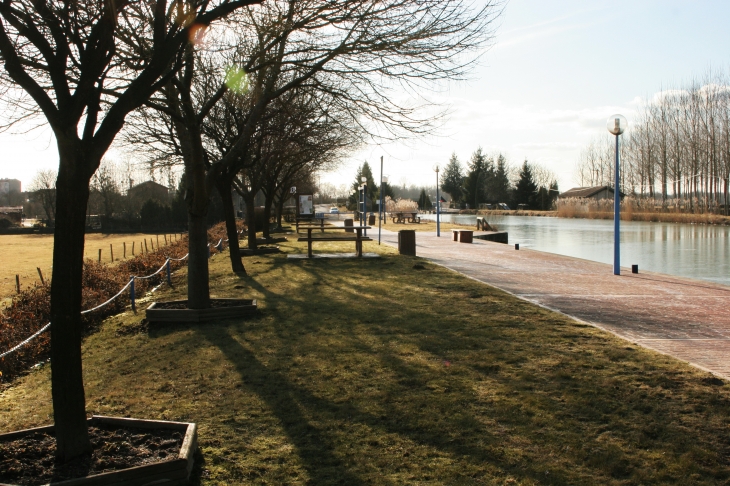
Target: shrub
{"x":30,"y":310}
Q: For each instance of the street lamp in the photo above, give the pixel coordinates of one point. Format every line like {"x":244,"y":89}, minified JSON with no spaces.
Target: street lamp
{"x":364,"y":214}
{"x":436,"y":169}
{"x":381,"y":210}
{"x":616,"y":125}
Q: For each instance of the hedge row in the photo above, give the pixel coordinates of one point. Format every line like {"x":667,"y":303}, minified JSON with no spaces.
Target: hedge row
{"x":30,"y":310}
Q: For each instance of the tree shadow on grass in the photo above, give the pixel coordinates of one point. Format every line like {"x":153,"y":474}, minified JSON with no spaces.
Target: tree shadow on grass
{"x":395,"y":401}
{"x":286,"y":401}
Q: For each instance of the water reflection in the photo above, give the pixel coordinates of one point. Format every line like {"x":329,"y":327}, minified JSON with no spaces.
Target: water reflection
{"x":697,"y":251}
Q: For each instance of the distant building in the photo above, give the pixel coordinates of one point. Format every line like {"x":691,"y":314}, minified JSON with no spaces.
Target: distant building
{"x":8,"y":186}
{"x":12,"y":213}
{"x":595,"y":192}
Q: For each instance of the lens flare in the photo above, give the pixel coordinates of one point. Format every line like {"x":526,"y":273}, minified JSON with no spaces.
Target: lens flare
{"x":236,"y":79}
{"x":196,"y":34}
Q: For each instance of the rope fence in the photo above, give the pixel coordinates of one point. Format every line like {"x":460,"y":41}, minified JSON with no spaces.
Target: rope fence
{"x":132,"y":297}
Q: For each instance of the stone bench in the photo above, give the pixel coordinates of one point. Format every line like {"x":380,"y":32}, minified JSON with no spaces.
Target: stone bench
{"x":463,"y":236}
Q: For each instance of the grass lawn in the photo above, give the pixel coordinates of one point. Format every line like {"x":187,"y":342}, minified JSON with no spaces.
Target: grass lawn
{"x":424,"y":225}
{"x":22,"y":254}
{"x":397,"y":371}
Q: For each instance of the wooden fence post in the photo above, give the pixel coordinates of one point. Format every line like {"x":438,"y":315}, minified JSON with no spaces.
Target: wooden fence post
{"x":146,"y":250}
{"x":99,"y":255}
{"x":165,"y":237}
{"x":133,"y":248}
{"x":17,"y":282}
{"x":111,"y":250}
{"x":158,"y":241}
{"x":124,"y":249}
{"x":40,"y":274}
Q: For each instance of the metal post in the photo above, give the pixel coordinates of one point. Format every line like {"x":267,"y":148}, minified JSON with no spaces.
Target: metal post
{"x":358,"y":207}
{"x":438,"y":207}
{"x":365,"y":207}
{"x":131,"y":296}
{"x":380,"y":206}
{"x":616,"y":218}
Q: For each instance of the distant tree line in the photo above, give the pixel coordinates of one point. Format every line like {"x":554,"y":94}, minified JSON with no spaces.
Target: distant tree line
{"x":113,"y":207}
{"x":677,"y":150}
{"x":491,"y":180}
{"x":486,"y":180}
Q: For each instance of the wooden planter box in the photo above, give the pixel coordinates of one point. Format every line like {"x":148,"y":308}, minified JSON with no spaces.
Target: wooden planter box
{"x":259,"y":251}
{"x":172,"y":472}
{"x":235,"y":308}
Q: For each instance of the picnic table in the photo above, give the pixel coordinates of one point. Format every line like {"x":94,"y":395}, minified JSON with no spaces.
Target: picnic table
{"x":358,"y":238}
{"x":318,"y":218}
{"x":402,"y":217}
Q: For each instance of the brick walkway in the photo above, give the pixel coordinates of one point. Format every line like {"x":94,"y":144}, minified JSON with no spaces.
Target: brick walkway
{"x":685,"y":318}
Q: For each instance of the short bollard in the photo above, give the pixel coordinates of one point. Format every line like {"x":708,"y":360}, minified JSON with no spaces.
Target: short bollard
{"x":517,"y":246}
{"x":131,"y":295}
{"x":634,"y":269}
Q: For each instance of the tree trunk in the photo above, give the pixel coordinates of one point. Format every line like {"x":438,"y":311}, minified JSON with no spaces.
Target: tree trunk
{"x":69,"y":402}
{"x":223,"y":185}
{"x":198,"y":285}
{"x":251,"y":222}
{"x":267,"y":217}
{"x":279,"y":211}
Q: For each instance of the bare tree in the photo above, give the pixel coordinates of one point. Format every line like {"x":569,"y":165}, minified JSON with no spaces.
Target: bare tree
{"x":84,"y":66}
{"x":359,"y":53}
{"x":43,"y":187}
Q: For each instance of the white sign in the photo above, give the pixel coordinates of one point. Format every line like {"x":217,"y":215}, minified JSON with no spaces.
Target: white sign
{"x":293,"y":190}
{"x":305,"y":205}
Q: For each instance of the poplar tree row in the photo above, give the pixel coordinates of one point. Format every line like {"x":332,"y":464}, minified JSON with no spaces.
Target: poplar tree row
{"x":677,"y":150}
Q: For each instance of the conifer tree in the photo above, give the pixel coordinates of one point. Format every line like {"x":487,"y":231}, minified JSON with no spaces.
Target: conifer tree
{"x":452,"y":181}
{"x":526,"y":189}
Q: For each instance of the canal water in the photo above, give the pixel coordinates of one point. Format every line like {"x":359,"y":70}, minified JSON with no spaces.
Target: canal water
{"x":687,"y":250}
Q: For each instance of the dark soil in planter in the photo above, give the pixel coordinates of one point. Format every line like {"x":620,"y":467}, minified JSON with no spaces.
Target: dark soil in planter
{"x":183,"y":304}
{"x":260,"y":250}
{"x":178,"y":311}
{"x":30,"y":460}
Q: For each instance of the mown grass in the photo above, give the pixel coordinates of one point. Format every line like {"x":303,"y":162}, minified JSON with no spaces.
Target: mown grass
{"x":424,"y":225}
{"x":22,"y":254}
{"x":397,"y":371}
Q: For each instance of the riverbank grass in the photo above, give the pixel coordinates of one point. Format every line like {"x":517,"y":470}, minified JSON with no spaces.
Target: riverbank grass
{"x":397,"y":371}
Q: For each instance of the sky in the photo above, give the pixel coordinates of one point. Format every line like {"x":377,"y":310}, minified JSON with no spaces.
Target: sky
{"x":553,"y":75}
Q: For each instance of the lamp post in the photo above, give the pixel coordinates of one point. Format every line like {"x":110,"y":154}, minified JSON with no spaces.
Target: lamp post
{"x":364,"y":203}
{"x":436,"y":169}
{"x":381,"y":211}
{"x":359,"y":204}
{"x":616,"y":125}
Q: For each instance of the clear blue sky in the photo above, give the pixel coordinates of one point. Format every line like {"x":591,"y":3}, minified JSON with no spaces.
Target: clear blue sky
{"x":556,"y":71}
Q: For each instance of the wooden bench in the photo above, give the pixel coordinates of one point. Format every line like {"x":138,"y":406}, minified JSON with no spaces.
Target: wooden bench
{"x":463,"y":236}
{"x":403,"y":217}
{"x":358,"y":238}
